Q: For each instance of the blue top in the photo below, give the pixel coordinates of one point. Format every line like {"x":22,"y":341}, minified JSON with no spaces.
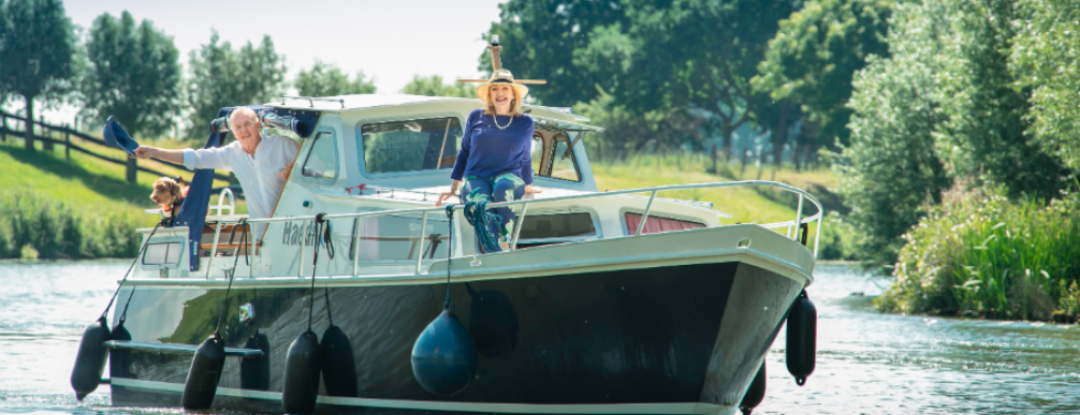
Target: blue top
{"x":487,"y":151}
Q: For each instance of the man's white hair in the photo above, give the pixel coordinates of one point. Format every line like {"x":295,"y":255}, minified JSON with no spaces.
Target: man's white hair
{"x":241,"y":110}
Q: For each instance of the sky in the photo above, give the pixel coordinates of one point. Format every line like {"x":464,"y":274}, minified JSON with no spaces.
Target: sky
{"x":390,"y":40}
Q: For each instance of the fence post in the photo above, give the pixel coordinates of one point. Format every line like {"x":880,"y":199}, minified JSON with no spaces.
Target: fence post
{"x":67,"y":143}
{"x":3,"y":127}
{"x":45,"y":133}
{"x":132,"y":169}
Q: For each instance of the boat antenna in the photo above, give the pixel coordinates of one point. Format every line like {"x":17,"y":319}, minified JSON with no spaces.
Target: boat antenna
{"x":494,"y":47}
{"x":496,"y":63}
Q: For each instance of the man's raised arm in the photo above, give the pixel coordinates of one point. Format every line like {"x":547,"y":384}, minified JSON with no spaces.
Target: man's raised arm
{"x":203,"y":158}
{"x":171,"y":156}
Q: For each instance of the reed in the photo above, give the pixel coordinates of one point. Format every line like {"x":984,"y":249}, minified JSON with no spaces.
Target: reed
{"x":35,"y":226}
{"x":980,"y":254}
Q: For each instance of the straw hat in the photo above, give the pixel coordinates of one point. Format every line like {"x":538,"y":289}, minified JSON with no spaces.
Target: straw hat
{"x":503,"y":77}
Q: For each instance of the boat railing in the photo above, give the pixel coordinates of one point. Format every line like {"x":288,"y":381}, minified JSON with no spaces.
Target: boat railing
{"x":523,"y":207}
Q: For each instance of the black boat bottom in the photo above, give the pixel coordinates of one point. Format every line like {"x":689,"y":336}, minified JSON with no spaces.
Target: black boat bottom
{"x":678,"y":339}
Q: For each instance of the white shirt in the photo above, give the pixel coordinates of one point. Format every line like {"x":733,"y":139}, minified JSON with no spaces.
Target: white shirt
{"x":257,"y":175}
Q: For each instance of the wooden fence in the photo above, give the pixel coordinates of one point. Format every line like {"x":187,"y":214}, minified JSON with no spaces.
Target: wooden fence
{"x":46,"y":132}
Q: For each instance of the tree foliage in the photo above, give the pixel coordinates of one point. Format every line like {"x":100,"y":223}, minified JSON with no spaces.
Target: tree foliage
{"x":132,"y":72}
{"x":943,"y":106}
{"x":36,"y":48}
{"x":688,"y":62}
{"x":328,"y":80}
{"x":703,"y":54}
{"x":542,"y":37}
{"x":1046,"y":61}
{"x":988,"y":118}
{"x":815,"y":54}
{"x":220,"y":76}
{"x":433,"y":86}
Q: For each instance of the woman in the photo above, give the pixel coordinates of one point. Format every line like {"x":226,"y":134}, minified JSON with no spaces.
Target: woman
{"x":495,"y":161}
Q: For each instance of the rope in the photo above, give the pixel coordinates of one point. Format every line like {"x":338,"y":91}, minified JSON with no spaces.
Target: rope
{"x":329,"y":317}
{"x":123,"y":316}
{"x":449,"y":254}
{"x":232,"y":275}
{"x":128,"y":273}
{"x":320,"y":220}
{"x":478,"y":216}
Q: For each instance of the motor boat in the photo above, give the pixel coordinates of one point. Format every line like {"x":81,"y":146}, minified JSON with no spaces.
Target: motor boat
{"x":631,"y":301}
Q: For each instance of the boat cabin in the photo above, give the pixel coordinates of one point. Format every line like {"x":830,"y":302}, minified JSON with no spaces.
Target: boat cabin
{"x":364,"y":154}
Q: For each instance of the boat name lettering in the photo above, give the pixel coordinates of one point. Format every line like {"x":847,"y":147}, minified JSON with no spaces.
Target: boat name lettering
{"x":295,"y":234}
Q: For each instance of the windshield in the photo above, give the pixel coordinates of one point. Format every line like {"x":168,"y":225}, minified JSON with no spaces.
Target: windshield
{"x":400,"y":146}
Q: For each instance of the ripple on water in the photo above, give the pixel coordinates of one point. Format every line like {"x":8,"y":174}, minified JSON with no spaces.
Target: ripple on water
{"x":874,"y":363}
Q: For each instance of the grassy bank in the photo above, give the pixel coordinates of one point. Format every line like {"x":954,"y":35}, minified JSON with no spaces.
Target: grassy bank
{"x":979,"y":254}
{"x":83,"y":208}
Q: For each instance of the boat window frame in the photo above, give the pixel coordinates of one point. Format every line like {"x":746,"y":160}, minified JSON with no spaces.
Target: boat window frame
{"x":593,"y":214}
{"x":359,"y":140}
{"x":570,"y":141}
{"x":653,"y":214}
{"x":311,"y":147}
{"x":164,"y":240}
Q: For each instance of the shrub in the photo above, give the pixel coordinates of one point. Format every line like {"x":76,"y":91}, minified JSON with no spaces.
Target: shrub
{"x":31,"y":223}
{"x":979,"y":254}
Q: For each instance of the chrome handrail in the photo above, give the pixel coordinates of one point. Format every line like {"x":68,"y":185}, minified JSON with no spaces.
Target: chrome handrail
{"x":799,"y":219}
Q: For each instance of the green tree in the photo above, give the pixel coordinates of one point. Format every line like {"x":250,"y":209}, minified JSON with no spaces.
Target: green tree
{"x":328,"y":80}
{"x":814,"y":56}
{"x":943,"y":105}
{"x":701,"y":54}
{"x":220,"y":76}
{"x":541,"y":38}
{"x":988,"y":117}
{"x":132,"y":73}
{"x":1046,"y":62}
{"x":36,"y":49}
{"x":891,"y":172}
{"x":433,"y":86}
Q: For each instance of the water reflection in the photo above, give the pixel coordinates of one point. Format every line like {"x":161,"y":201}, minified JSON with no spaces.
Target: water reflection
{"x":867,"y":362}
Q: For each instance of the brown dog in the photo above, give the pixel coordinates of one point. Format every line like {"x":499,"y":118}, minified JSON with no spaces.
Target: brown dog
{"x":168,"y":194}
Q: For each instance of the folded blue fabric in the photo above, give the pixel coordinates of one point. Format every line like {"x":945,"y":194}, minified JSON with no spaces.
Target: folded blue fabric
{"x":117,"y":137}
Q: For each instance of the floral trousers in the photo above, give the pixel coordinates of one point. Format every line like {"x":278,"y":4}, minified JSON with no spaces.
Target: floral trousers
{"x":501,"y":188}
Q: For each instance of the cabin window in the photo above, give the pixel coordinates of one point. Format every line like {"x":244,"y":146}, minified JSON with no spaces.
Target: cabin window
{"x":397,"y":237}
{"x":563,"y":225}
{"x":563,"y":162}
{"x":656,"y":224}
{"x":401,"y":146}
{"x":162,"y":254}
{"x":321,"y":161}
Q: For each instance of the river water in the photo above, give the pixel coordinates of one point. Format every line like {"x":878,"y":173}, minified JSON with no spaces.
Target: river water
{"x":867,"y":363}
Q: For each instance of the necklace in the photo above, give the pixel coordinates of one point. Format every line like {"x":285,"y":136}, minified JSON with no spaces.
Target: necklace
{"x":496,"y":120}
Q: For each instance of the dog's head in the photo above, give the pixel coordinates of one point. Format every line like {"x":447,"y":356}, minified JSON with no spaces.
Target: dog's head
{"x":166,"y":192}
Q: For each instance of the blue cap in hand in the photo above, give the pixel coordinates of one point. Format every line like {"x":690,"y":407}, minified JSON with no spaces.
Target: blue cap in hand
{"x":117,"y":137}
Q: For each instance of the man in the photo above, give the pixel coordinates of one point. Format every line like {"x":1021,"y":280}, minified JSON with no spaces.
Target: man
{"x":260,"y":163}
